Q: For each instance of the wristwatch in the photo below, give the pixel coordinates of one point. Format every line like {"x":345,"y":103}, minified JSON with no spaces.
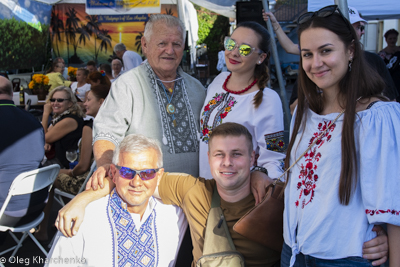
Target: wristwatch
{"x":260,"y":169}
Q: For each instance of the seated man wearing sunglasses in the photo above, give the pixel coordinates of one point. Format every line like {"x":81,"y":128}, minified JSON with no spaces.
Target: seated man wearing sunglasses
{"x":128,"y":227}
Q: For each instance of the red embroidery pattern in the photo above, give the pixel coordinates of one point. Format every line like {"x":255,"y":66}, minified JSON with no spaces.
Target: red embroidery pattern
{"x":308,"y":174}
{"x":373,"y":212}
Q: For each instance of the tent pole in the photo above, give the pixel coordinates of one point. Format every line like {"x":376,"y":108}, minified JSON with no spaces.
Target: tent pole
{"x":342,"y":4}
{"x":278,"y":72}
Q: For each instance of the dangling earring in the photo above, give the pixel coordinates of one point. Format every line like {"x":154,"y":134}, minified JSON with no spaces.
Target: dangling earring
{"x":350,"y":62}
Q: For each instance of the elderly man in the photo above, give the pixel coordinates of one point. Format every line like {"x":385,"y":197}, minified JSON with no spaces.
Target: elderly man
{"x":230,"y":156}
{"x":116,"y":66}
{"x":21,"y":150}
{"x":128,"y":227}
{"x":156,"y":99}
{"x":131,"y":59}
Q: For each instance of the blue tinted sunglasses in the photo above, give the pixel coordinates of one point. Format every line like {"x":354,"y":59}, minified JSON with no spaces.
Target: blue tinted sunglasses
{"x":129,"y":173}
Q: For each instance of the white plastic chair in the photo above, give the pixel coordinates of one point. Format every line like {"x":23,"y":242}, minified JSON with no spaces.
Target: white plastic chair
{"x":27,"y":183}
{"x":58,"y":194}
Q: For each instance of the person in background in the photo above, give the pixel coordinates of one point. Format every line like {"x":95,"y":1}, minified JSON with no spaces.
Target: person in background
{"x":21,"y":150}
{"x":55,"y":76}
{"x":107,"y":69}
{"x":387,"y":53}
{"x":65,"y":71}
{"x":80,"y":87}
{"x":358,"y":23}
{"x":97,"y":77}
{"x":65,"y":129}
{"x":336,"y":193}
{"x":71,"y":180}
{"x":391,"y":56}
{"x":242,"y":97}
{"x":116,"y":66}
{"x":91,"y":66}
{"x":131,"y":59}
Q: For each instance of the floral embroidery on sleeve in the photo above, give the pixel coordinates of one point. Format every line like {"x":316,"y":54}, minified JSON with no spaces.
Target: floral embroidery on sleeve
{"x":308,"y":174}
{"x":224,"y":103}
{"x":275,"y":141}
{"x":373,"y":212}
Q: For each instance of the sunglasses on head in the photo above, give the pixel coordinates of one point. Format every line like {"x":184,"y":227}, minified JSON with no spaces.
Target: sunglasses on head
{"x":322,"y":13}
{"x":244,"y":49}
{"x":129,"y":173}
{"x":59,"y":100}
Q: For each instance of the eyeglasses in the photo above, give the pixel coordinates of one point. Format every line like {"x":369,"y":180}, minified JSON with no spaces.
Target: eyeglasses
{"x":244,"y":49}
{"x":361,"y":28}
{"x":129,"y":173}
{"x":322,"y":13}
{"x":59,"y":100}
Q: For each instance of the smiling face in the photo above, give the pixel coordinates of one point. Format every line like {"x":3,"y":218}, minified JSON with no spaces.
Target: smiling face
{"x":136,"y":192}
{"x":92,"y":104}
{"x":230,"y":161}
{"x":240,"y":64}
{"x":164,"y":50}
{"x":325,"y":58}
{"x":60,"y":107}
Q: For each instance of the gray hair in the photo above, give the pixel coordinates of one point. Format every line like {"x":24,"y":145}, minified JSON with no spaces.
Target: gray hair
{"x":6,"y":87}
{"x":116,"y":59}
{"x":135,"y":144}
{"x":119,"y":47}
{"x":167,"y":20}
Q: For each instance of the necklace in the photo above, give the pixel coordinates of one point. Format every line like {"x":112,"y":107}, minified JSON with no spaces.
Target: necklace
{"x":170,"y":89}
{"x":170,"y":107}
{"x":237,"y":92}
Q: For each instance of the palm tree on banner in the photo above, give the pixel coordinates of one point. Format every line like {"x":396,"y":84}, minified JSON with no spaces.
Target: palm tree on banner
{"x":72,"y":25}
{"x":83,"y":34}
{"x":57,"y":26}
{"x":105,"y":41}
{"x":93,"y":27}
{"x":138,"y":42}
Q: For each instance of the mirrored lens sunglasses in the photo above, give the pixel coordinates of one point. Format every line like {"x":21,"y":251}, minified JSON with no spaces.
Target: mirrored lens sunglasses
{"x":129,"y":173}
{"x":59,"y":100}
{"x":244,"y":49}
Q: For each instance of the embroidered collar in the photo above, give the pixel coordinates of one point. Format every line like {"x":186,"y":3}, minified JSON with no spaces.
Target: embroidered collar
{"x":57,"y":118}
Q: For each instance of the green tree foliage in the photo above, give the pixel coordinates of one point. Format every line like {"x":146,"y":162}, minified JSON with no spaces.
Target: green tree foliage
{"x":212,"y":30}
{"x":22,"y":46}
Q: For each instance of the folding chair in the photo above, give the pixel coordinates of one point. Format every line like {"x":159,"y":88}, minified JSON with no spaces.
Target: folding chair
{"x":58,"y":194}
{"x":27,"y":183}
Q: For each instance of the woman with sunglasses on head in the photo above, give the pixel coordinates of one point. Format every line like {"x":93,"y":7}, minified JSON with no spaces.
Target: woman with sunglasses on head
{"x":342,"y":181}
{"x":242,"y":97}
{"x":65,"y":128}
{"x":71,"y":180}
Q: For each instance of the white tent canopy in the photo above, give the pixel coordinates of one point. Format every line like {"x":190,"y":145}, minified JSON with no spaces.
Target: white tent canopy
{"x":370,"y":9}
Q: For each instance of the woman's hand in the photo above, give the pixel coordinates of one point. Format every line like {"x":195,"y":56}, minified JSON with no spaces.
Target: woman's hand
{"x":274,"y":22}
{"x":258,"y":182}
{"x":378,"y":248}
{"x":47,"y":108}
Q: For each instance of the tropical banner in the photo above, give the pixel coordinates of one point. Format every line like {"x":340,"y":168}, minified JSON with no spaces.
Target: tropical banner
{"x":24,"y":31}
{"x":79,"y":37}
{"x":120,"y":7}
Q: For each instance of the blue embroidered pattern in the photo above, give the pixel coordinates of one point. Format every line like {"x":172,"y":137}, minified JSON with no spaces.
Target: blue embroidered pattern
{"x":136,"y":247}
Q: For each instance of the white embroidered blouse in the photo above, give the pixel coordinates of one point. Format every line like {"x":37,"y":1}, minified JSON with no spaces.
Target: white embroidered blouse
{"x":325,"y":228}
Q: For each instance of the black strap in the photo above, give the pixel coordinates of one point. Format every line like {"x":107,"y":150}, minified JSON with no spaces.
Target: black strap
{"x":371,"y":104}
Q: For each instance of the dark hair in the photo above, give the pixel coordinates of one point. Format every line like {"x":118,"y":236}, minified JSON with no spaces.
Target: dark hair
{"x":85,"y":71}
{"x":53,"y":66}
{"x":231,"y":129}
{"x":100,"y":91}
{"x":107,"y":68}
{"x":91,"y":63}
{"x":391,"y":31}
{"x":97,"y":75}
{"x":261,"y":70}
{"x":361,"y":81}
{"x":6,"y":87}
